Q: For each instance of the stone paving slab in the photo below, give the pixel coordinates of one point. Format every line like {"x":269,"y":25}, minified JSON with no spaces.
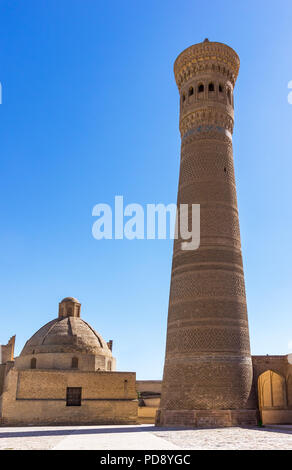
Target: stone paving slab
{"x":143,"y":437}
{"x":32,"y":438}
{"x":115,"y":438}
{"x":230,"y":439}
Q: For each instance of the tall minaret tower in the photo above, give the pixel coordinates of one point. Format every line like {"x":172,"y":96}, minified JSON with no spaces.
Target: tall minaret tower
{"x":208,"y":371}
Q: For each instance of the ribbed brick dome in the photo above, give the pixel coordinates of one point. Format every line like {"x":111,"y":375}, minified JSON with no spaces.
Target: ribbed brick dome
{"x":66,"y":334}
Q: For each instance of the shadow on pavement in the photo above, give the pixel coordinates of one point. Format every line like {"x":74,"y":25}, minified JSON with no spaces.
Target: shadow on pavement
{"x":90,"y":430}
{"x":113,"y":430}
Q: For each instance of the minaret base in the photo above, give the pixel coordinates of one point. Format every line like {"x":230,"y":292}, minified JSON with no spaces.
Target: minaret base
{"x":207,"y":418}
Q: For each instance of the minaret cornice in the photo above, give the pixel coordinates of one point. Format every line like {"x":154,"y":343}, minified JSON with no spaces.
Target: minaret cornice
{"x":204,"y":57}
{"x":206,"y":117}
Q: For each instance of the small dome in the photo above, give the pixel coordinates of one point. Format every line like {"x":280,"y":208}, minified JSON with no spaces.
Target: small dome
{"x":70,"y":299}
{"x":69,"y":307}
{"x":68,"y":334}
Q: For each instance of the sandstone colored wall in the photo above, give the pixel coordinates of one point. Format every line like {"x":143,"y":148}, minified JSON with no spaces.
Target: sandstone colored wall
{"x":272,"y":386}
{"x":2,"y":378}
{"x":6,"y":362}
{"x":278,"y":364}
{"x":146,"y":414}
{"x":276,"y":407}
{"x":153,"y":386}
{"x":276,"y":417}
{"x":86,"y":362}
{"x":149,"y":392}
{"x":39,"y":397}
{"x":7,"y":351}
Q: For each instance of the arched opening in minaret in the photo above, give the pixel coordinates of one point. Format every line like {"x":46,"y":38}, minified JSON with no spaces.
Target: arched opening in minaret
{"x":191,"y":91}
{"x":211,"y":87}
{"x":229,"y":95}
{"x":220,"y":89}
{"x":201,"y":88}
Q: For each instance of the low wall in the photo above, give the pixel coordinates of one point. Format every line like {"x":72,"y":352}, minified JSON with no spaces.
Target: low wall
{"x":276,"y":416}
{"x":2,"y":377}
{"x":153,"y":386}
{"x":146,"y":414}
{"x":38,"y":397}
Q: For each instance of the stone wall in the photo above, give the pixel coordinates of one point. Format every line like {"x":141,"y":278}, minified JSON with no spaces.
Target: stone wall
{"x":7,"y":351}
{"x":39,"y":397}
{"x":272,"y":386}
{"x":86,"y":362}
{"x":6,"y":362}
{"x":2,"y":378}
{"x":146,"y":414}
{"x":152,"y":386}
{"x":149,"y":400}
{"x":276,"y":404}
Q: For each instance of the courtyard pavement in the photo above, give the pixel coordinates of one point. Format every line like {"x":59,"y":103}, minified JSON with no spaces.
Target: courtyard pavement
{"x":143,"y":437}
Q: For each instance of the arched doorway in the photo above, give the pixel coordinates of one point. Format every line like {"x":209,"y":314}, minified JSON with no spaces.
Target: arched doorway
{"x":272,"y":396}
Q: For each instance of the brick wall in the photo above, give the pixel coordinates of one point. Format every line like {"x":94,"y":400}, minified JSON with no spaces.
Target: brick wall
{"x":39,"y":397}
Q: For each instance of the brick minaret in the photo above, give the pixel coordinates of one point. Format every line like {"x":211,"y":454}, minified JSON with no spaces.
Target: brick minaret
{"x":208,"y":370}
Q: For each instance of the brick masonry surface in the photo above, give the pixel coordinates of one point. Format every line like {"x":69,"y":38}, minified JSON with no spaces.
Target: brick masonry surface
{"x":207,"y":363}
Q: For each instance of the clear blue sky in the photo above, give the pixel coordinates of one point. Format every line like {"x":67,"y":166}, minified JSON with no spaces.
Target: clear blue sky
{"x":90,"y":111}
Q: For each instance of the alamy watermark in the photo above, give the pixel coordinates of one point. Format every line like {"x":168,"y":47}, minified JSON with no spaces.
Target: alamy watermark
{"x":158,"y":221}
